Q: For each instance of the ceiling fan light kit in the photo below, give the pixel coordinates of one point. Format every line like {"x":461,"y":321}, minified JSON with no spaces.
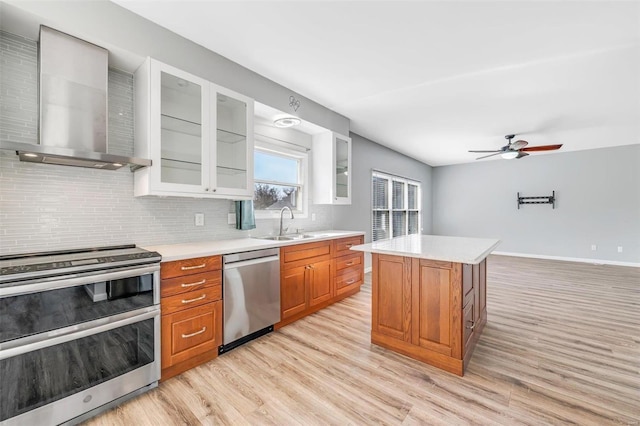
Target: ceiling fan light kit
{"x":509,"y":155}
{"x":517,"y":149}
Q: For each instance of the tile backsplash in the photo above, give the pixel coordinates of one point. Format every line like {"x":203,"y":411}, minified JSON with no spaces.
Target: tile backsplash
{"x":48,"y":207}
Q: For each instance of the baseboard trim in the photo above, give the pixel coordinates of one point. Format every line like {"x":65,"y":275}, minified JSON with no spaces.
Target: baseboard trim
{"x":369,"y":269}
{"x":569,"y":259}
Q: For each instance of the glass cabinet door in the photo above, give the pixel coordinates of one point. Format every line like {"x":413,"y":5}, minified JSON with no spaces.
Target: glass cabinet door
{"x":342,"y":166}
{"x":182,"y":132}
{"x":234,"y":144}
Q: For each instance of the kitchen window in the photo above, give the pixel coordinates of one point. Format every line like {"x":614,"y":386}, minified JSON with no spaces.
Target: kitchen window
{"x":279,"y":179}
{"x":396,"y":206}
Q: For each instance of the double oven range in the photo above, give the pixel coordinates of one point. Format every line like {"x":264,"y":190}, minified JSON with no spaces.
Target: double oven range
{"x":79,"y":332}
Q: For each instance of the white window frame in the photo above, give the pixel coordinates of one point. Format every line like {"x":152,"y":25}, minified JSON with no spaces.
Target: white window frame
{"x":405,"y":208}
{"x":264,"y":144}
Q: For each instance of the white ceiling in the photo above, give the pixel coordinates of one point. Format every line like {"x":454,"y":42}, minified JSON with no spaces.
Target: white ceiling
{"x":433,"y":79}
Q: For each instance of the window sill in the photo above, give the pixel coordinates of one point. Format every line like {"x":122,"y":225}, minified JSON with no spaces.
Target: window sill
{"x":265,"y":214}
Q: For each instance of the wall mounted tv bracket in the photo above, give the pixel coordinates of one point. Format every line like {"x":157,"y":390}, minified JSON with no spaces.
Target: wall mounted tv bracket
{"x":547,"y":199}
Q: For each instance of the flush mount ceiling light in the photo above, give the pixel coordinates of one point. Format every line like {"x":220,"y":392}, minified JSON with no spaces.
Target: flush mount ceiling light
{"x":283,"y":122}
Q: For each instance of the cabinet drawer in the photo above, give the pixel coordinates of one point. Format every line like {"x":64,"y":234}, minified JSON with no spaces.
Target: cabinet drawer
{"x":342,"y":246}
{"x":347,"y":278}
{"x":195,"y":282}
{"x":348,"y":261}
{"x":190,"y":266}
{"x":191,"y":332}
{"x":179,"y":302}
{"x":299,"y":253}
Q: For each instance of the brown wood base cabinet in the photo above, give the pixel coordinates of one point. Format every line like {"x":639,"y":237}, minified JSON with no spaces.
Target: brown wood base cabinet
{"x":429,"y":310}
{"x":317,"y":274}
{"x":191,"y":308}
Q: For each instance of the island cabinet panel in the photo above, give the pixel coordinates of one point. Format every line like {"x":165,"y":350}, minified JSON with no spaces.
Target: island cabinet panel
{"x":317,"y":274}
{"x":392,"y":296}
{"x":482,"y":305}
{"x":434,"y":304}
{"x":428,"y":310}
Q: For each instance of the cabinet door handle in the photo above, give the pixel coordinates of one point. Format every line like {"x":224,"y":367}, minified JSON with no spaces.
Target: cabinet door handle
{"x":185,"y":336}
{"x":193,"y":300}
{"x":350,"y":282}
{"x":183,"y":285}
{"x":188,"y":268}
{"x":472,"y":326}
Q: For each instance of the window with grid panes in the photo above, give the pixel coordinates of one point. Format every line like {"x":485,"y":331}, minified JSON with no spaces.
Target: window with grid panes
{"x":395,"y":206}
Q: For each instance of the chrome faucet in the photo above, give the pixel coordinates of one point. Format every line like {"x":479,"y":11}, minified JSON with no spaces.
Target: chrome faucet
{"x":281,"y":213}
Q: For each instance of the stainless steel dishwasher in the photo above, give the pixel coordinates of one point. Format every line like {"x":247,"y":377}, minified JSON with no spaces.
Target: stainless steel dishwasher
{"x":251,"y":295}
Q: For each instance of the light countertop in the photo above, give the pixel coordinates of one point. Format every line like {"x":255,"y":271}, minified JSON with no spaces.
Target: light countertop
{"x":435,"y":247}
{"x":182,"y":251}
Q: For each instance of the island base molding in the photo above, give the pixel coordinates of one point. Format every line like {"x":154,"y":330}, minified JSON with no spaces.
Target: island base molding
{"x":443,"y":362}
{"x":432,"y":311}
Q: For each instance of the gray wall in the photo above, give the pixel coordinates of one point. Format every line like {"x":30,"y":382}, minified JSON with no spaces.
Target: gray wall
{"x":368,"y":156}
{"x":45,"y":207}
{"x":598,"y":202}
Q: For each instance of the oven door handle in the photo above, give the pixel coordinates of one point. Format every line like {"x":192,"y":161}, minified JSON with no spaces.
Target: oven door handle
{"x":74,"y":280}
{"x":74,"y":332}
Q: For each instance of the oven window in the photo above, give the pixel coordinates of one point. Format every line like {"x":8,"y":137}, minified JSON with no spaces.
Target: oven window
{"x":28,"y":314}
{"x":46,"y":375}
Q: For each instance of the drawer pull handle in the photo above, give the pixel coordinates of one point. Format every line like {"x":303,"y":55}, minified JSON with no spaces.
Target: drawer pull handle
{"x":348,"y":245}
{"x":183,"y":285}
{"x":349,"y":263}
{"x":194,"y":300}
{"x":185,"y":336}
{"x":472,"y":326}
{"x":188,"y":268}
{"x":350,"y":281}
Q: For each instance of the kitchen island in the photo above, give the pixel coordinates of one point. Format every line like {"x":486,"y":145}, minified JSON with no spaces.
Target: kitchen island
{"x":429,"y":297}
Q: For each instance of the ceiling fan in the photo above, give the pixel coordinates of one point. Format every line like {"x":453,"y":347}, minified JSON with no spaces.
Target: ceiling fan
{"x":517,"y":149}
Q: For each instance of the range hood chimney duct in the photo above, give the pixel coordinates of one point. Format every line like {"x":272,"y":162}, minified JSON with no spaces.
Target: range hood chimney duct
{"x":73,"y":81}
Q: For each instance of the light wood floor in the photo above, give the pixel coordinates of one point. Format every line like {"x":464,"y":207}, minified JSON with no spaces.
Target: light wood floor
{"x":562,"y":346}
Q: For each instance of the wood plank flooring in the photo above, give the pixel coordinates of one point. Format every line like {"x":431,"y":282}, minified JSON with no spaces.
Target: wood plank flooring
{"x":561,"y":346}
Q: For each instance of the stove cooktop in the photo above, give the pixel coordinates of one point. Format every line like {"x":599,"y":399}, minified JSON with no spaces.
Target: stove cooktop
{"x":33,"y":265}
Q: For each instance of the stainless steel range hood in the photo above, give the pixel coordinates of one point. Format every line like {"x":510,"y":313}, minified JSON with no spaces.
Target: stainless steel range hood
{"x":73,"y":106}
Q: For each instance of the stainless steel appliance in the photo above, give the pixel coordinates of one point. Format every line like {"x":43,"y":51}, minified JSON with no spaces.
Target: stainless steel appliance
{"x":80,"y":332}
{"x":73,"y":106}
{"x":251,"y":295}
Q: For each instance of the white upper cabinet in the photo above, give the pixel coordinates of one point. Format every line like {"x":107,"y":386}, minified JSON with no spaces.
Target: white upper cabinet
{"x":331,"y":155}
{"x":198,"y":135}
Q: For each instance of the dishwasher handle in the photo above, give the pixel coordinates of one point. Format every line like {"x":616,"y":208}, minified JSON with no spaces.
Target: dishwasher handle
{"x":240,"y":264}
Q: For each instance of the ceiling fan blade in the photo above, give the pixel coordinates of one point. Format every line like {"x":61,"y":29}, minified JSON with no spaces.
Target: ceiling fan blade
{"x":542,"y":148}
{"x":493,"y":150}
{"x":519,"y":144}
{"x":490,"y":155}
{"x":521,"y":154}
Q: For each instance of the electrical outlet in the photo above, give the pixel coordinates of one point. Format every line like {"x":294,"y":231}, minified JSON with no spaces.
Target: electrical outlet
{"x":313,"y":216}
{"x":619,"y":249}
{"x":231,"y":219}
{"x":594,"y":247}
{"x":199,"y":219}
